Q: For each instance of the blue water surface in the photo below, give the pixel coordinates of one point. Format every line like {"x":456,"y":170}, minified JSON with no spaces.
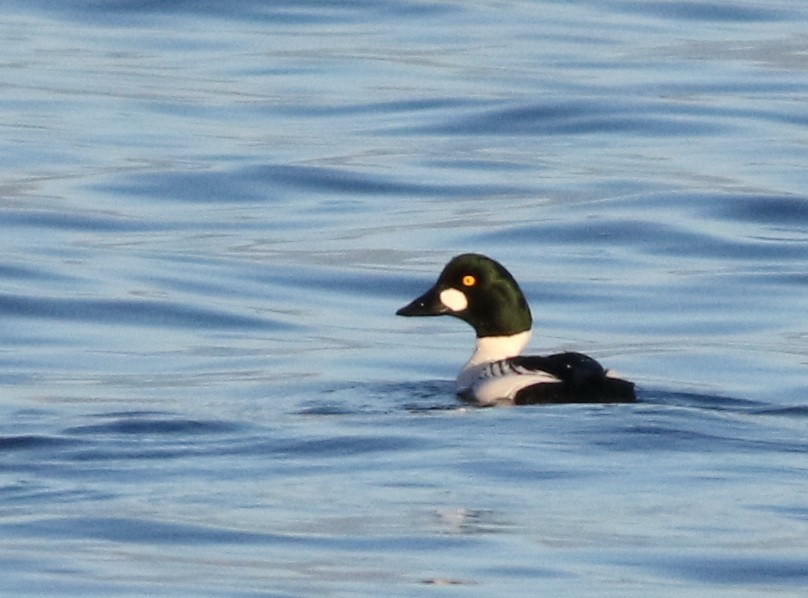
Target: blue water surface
{"x":210,"y":211}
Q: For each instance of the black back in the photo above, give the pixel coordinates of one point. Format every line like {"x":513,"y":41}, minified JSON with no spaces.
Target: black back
{"x":582,"y":380}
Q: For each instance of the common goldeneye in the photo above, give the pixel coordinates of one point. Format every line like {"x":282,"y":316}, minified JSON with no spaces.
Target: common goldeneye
{"x":480,"y":291}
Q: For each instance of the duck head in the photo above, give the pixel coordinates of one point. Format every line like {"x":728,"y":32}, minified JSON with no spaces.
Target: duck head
{"x":479,"y":291}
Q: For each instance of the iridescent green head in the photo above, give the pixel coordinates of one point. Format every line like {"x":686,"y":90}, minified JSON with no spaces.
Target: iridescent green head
{"x":478,"y":290}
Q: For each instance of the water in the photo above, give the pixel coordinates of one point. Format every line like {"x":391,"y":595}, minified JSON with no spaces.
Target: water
{"x":211,"y":211}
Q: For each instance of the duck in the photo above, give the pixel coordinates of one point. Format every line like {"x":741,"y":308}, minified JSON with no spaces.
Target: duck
{"x":482,"y":292}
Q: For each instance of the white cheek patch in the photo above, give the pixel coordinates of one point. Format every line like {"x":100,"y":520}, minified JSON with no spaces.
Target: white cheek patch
{"x":454,"y":299}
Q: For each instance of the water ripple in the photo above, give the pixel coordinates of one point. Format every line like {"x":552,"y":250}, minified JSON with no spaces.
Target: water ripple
{"x":129,"y":312}
{"x":724,"y":12}
{"x":152,"y":532}
{"x":151,"y":426}
{"x":33,"y":442}
{"x":737,"y":570}
{"x":262,"y":183}
{"x":578,"y":117}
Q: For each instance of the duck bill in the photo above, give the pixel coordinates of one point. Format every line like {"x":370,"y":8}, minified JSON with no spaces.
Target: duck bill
{"x":428,"y":304}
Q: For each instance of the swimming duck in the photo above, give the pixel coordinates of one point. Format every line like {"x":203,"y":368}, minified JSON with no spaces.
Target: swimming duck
{"x":481,"y":292}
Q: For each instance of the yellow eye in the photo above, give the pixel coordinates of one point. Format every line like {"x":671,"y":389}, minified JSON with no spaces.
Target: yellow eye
{"x":469,"y":280}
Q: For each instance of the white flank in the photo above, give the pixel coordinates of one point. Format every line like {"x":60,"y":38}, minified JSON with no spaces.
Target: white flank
{"x":454,"y":299}
{"x":499,"y":389}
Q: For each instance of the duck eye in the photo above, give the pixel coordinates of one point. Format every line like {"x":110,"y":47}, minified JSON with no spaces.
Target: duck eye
{"x":469,"y":280}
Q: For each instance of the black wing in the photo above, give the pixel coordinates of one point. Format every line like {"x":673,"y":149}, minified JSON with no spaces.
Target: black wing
{"x":582,"y":380}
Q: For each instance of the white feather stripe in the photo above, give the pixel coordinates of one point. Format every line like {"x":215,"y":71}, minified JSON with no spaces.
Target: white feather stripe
{"x":504,"y":367}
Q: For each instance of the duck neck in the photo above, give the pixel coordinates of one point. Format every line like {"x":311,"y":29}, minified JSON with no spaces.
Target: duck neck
{"x":494,"y":348}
